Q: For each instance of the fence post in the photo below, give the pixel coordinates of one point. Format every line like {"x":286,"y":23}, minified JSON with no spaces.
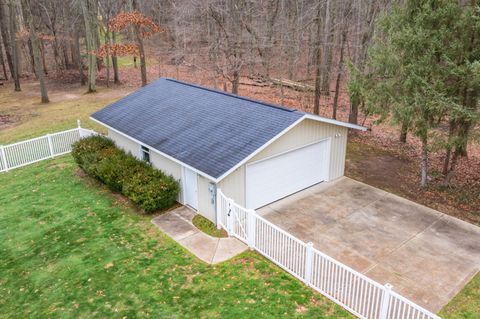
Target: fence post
{"x":230,"y":217}
{"x":309,"y":263}
{"x":218,"y":213}
{"x":251,"y":228}
{"x":80,"y":132}
{"x":387,"y":289}
{"x":4,"y":158}
{"x":50,"y":145}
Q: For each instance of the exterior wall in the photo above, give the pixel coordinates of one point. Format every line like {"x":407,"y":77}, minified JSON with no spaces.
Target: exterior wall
{"x":125,"y":143}
{"x":170,"y":168}
{"x":158,"y":161}
{"x":234,"y":185}
{"x":307,"y":132}
{"x":205,"y":206}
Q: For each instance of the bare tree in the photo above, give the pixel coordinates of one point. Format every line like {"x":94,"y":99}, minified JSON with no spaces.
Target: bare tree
{"x":36,"y":50}
{"x":14,"y":45}
{"x":89,"y":10}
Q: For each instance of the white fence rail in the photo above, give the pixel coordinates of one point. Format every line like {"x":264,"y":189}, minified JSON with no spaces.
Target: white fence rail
{"x":352,"y":290}
{"x":40,"y":148}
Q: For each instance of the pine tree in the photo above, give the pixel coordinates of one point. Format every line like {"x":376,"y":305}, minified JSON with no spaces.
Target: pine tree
{"x":423,"y":68}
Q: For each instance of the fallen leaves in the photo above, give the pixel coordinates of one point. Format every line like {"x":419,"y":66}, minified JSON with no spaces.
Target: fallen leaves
{"x":108,"y":265}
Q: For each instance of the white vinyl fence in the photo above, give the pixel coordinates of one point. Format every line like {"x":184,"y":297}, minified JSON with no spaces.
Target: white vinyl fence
{"x":40,"y":148}
{"x":350,"y":289}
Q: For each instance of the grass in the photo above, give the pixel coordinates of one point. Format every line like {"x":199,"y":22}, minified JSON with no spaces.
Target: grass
{"x":32,"y":119}
{"x":466,"y":304}
{"x":71,"y":249}
{"x":208,"y":227}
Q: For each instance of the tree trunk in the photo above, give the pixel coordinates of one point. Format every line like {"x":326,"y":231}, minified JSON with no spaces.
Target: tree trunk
{"x":15,"y":53}
{"x":404,"y":132}
{"x":4,"y":67}
{"x":116,"y":79}
{"x":65,"y":55}
{"x":35,"y":45}
{"x":235,"y":82}
{"x":4,"y":29}
{"x":89,"y":15}
{"x":326,"y":52}
{"x":451,"y":172}
{"x":339,"y":76}
{"x":32,"y":58}
{"x":143,"y":63}
{"x":318,"y":58}
{"x":79,"y":63}
{"x":353,"y":115}
{"x":44,"y":62}
{"x":462,"y":128}
{"x":56,"y":55}
{"x":141,"y":48}
{"x":424,"y":162}
{"x":107,"y":42}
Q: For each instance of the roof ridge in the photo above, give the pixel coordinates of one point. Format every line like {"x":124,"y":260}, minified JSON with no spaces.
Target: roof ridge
{"x":284,"y":108}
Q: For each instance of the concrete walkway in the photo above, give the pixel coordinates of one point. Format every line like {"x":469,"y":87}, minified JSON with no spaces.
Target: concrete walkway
{"x":178,"y":225}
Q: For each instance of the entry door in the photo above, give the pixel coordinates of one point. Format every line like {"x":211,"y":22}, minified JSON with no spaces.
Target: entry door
{"x":191,"y":189}
{"x":276,"y":177}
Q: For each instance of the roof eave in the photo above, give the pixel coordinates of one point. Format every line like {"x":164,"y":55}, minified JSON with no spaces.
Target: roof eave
{"x":213,"y":179}
{"x":261,"y":148}
{"x":335,"y":122}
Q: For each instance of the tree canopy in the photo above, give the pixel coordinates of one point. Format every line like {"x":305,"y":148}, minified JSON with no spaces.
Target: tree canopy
{"x":423,"y":70}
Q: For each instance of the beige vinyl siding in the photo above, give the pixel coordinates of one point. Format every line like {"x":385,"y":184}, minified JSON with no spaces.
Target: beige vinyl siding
{"x":125,"y":143}
{"x":205,"y":205}
{"x":306,"y":132}
{"x":169,"y":167}
{"x":158,"y":161}
{"x":233,"y":185}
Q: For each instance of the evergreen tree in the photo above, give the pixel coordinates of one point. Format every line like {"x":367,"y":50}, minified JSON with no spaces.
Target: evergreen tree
{"x":422,"y":69}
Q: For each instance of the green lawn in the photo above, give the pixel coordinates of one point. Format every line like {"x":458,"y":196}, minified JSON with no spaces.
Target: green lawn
{"x":466,"y":304}
{"x":70,"y":249}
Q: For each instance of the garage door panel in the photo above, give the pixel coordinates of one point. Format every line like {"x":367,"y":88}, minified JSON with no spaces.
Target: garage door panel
{"x":271,"y":179}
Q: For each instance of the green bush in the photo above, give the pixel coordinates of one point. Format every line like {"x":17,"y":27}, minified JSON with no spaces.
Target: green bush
{"x":147,"y":187}
{"x":88,"y":152}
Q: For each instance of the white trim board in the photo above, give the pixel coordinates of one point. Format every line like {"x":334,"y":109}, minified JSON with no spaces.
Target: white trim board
{"x":334,"y":122}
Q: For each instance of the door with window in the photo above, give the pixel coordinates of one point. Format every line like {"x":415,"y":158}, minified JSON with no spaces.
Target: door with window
{"x":191,"y":188}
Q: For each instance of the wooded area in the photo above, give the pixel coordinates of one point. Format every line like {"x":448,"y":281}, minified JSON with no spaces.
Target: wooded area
{"x":370,"y":52}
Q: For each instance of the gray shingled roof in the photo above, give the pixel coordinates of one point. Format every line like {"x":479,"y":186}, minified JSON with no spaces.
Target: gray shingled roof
{"x":209,"y":130}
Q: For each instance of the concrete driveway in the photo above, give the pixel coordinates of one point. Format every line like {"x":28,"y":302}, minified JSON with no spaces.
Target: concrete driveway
{"x":426,"y":255}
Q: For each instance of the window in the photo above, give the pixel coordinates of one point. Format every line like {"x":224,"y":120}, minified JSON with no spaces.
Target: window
{"x":146,"y":154}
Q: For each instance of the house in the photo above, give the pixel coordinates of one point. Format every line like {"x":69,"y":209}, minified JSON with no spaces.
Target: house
{"x":254,"y":151}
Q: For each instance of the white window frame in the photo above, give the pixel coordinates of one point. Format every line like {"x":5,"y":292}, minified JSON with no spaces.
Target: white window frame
{"x":145,"y":153}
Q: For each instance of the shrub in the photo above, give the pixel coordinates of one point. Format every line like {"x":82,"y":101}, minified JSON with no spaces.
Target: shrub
{"x":147,"y":187}
{"x":88,"y":152}
{"x":151,"y":192}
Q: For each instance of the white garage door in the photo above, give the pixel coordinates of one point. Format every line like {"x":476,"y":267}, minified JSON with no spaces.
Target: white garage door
{"x":276,"y":177}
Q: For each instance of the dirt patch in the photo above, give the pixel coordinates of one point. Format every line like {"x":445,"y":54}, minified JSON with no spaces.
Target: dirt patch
{"x":6,"y":121}
{"x":379,"y":168}
{"x":389,"y":170}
